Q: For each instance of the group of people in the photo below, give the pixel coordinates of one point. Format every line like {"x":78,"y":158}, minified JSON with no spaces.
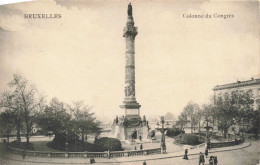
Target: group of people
{"x":92,"y":161}
{"x":213,"y":160}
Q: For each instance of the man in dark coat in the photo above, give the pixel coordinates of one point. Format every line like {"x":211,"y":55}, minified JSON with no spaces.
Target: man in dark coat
{"x":24,"y":154}
{"x":206,"y":152}
{"x":215,"y":160}
{"x":211,"y":160}
{"x":186,"y":155}
{"x":209,"y":145}
{"x":201,"y":159}
{"x":141,"y":147}
{"x":92,"y":161}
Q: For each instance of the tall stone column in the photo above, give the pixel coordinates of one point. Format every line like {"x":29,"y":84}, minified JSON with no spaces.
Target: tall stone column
{"x":130,"y":104}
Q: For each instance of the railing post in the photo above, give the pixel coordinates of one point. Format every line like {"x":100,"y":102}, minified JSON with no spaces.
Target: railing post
{"x":86,"y":154}
{"x":108,"y":154}
{"x":49,"y":154}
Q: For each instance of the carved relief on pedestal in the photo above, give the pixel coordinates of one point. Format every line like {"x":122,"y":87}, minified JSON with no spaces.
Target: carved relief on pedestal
{"x":129,"y":90}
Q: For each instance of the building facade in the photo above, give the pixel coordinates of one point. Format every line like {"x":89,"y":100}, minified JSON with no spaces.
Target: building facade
{"x":252,"y":85}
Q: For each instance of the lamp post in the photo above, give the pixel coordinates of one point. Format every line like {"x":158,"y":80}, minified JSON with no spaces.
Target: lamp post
{"x":242,"y":128}
{"x":207,"y":135}
{"x":207,"y":129}
{"x":162,"y":130}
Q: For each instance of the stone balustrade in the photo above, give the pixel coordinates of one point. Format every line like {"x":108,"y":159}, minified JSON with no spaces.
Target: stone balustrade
{"x":112,"y":154}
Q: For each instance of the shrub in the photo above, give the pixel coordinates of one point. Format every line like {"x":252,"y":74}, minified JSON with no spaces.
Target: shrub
{"x":174,"y":132}
{"x":151,"y":133}
{"x":74,"y":144}
{"x":189,"y":139}
{"x":22,"y":145}
{"x":106,"y":143}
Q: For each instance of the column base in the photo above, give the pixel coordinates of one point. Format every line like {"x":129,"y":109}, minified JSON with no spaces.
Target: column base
{"x":132,"y":109}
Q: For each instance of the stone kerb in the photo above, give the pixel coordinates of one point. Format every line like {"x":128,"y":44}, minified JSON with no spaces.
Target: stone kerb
{"x":216,"y":145}
{"x":106,"y":154}
{"x":227,"y":144}
{"x":203,"y":145}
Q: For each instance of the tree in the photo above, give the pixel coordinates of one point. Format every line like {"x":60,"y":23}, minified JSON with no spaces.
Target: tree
{"x":54,"y":118}
{"x":10,"y":105}
{"x":234,"y":108}
{"x":255,"y":122}
{"x":67,"y":122}
{"x":225,"y":113}
{"x":29,"y":102}
{"x":24,"y":101}
{"x":199,"y":115}
{"x":169,"y":116}
{"x":182,"y":120}
{"x":6,"y":124}
{"x":190,"y":111}
{"x":243,"y":102}
{"x":84,"y":121}
{"x":207,"y":116}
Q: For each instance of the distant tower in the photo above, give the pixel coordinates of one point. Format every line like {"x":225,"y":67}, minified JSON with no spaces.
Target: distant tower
{"x":130,"y":126}
{"x":130,"y":104}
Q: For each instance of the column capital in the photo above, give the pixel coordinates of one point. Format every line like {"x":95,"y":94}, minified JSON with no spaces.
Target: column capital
{"x":130,"y":31}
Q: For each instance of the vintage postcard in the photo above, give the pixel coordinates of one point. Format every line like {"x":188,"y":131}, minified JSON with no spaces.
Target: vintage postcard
{"x":130,"y":82}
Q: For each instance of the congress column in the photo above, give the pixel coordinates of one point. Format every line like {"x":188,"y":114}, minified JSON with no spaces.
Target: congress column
{"x":130,"y":104}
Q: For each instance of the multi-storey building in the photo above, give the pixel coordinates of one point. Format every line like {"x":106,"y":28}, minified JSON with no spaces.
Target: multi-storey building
{"x":252,"y":85}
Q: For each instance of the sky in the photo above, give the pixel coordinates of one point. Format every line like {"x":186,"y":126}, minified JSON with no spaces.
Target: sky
{"x":82,"y":55}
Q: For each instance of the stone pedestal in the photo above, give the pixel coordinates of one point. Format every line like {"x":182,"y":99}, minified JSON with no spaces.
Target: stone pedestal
{"x":130,"y":129}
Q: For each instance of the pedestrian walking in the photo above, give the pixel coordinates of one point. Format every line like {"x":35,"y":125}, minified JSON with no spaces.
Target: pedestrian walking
{"x":141,"y":147}
{"x":144,"y":163}
{"x":209,"y":145}
{"x":215,"y":160}
{"x":201,"y":159}
{"x":206,"y":152}
{"x":24,"y":154}
{"x":211,"y":160}
{"x":4,"y":142}
{"x":186,"y":154}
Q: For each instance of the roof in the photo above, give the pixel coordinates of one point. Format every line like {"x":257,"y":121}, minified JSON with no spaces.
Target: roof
{"x":237,"y":84}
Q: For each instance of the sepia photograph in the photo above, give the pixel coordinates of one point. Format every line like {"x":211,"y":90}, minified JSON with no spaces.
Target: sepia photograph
{"x":144,"y":82}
